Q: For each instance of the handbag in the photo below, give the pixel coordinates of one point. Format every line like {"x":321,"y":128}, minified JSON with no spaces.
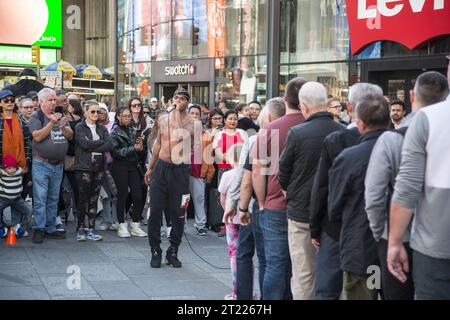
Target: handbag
{"x":69,"y":163}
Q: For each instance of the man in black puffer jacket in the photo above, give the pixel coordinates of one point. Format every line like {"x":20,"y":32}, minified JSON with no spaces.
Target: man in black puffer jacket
{"x":298,"y":165}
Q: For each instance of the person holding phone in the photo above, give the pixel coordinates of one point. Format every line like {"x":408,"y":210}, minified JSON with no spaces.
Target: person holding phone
{"x":125,"y":169}
{"x":91,"y":142}
{"x":138,"y":122}
{"x":51,"y":132}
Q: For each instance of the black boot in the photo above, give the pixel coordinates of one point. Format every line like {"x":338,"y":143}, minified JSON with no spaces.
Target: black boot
{"x":156,"y":257}
{"x":171,"y":257}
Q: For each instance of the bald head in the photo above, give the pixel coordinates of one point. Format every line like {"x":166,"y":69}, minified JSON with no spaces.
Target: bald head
{"x":313,"y":98}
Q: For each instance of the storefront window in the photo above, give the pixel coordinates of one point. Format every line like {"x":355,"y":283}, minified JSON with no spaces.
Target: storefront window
{"x":161,"y":11}
{"x":162,"y":36}
{"x":182,"y":39}
{"x":255,"y":26}
{"x":334,"y":76}
{"x":242,"y":80}
{"x":201,"y":22}
{"x":314,"y":30}
{"x":233,"y":27}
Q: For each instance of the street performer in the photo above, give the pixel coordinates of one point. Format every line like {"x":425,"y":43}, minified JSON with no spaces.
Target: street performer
{"x":168,"y":177}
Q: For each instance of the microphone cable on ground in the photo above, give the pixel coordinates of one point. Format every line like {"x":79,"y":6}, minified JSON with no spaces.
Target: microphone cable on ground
{"x":204,"y":260}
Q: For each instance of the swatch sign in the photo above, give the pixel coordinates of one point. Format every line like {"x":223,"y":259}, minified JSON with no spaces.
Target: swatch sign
{"x":409,"y":22}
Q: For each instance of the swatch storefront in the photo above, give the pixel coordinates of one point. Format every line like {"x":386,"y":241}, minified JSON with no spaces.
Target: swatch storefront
{"x":214,"y":48}
{"x":244,"y":50}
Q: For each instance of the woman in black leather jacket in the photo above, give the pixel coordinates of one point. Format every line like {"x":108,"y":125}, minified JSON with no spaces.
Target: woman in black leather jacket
{"x":127,"y":172}
{"x":92,"y":140}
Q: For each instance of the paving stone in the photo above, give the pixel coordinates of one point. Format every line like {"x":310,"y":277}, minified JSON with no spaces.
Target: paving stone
{"x":24,"y":293}
{"x":18,"y":276}
{"x":101,"y":272}
{"x":58,"y":289}
{"x":120,"y":250}
{"x":119,"y":291}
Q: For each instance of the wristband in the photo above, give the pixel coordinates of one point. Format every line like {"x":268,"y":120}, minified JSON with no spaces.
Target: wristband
{"x":242,"y":210}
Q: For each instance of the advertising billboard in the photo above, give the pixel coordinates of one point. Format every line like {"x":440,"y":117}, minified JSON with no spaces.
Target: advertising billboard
{"x":31,"y":22}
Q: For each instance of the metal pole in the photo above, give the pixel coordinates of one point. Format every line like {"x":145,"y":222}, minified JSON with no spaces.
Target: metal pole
{"x":273,"y":49}
{"x":116,"y":55}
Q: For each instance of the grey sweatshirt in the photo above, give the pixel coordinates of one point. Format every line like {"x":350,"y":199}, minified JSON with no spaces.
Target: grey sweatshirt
{"x":380,"y":178}
{"x":424,"y":176}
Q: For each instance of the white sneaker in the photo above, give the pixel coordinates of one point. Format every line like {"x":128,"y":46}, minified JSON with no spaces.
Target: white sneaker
{"x":123,"y":230}
{"x":136,"y":230}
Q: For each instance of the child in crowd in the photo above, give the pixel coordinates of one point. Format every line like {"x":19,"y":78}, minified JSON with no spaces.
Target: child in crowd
{"x":10,"y":196}
{"x":232,"y":227}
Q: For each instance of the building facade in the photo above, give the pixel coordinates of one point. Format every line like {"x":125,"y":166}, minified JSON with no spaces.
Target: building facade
{"x":245,"y":50}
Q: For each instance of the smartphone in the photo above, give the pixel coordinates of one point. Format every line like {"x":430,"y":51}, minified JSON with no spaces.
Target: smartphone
{"x":138,"y":136}
{"x":59,"y":109}
{"x":220,"y":126}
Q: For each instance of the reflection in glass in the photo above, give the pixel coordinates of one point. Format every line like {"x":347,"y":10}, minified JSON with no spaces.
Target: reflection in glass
{"x":334,"y":76}
{"x":233,"y":27}
{"x":242,"y":80}
{"x":255,"y":26}
{"x":182,"y":39}
{"x":314,"y":31}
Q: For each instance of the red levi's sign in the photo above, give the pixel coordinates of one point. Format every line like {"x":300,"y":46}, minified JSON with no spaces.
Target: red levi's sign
{"x":409,"y":22}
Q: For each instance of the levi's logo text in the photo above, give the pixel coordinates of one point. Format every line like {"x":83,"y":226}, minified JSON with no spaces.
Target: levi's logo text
{"x":409,"y":22}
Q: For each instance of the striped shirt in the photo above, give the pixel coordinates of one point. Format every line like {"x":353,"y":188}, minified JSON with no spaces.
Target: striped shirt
{"x":11,"y":185}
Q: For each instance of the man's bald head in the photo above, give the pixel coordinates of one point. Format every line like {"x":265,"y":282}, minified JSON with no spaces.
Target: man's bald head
{"x":313,"y":98}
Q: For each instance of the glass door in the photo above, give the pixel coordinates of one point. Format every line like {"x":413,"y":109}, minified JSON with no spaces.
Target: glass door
{"x":199,"y":93}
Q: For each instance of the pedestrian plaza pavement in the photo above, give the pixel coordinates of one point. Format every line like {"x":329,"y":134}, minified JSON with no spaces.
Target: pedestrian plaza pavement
{"x":114,"y":268}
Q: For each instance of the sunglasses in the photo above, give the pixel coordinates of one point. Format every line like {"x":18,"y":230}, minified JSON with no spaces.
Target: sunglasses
{"x":95,"y":112}
{"x":146,"y":112}
{"x":138,"y":105}
{"x":10,"y":100}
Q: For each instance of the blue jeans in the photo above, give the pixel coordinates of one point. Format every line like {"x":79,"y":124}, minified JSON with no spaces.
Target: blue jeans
{"x":277,"y":277}
{"x":431,"y":277}
{"x":244,"y":261}
{"x":46,"y":185}
{"x":20,"y":211}
{"x":259,"y":246}
{"x":328,"y":269}
{"x":250,"y":237}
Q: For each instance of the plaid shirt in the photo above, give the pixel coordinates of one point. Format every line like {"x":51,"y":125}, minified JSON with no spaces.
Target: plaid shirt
{"x":26,"y":138}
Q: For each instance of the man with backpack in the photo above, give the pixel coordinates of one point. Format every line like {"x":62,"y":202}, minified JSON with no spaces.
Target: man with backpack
{"x":50,"y":132}
{"x":431,"y":87}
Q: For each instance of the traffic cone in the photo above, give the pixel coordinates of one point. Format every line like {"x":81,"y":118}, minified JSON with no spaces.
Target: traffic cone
{"x":11,"y":240}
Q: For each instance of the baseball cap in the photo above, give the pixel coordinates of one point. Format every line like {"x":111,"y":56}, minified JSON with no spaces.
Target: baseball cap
{"x":6,"y":93}
{"x":153,"y":99}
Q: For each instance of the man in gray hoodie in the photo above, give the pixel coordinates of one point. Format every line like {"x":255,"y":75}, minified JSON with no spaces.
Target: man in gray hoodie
{"x":431,"y":87}
{"x":422,"y":186}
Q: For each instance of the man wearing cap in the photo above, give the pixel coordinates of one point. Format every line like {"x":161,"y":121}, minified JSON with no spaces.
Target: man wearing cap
{"x":50,"y":132}
{"x":154,"y":108}
{"x":169,"y":171}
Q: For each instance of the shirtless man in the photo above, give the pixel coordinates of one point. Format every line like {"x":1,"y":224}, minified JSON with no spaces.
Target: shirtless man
{"x":169,"y":172}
